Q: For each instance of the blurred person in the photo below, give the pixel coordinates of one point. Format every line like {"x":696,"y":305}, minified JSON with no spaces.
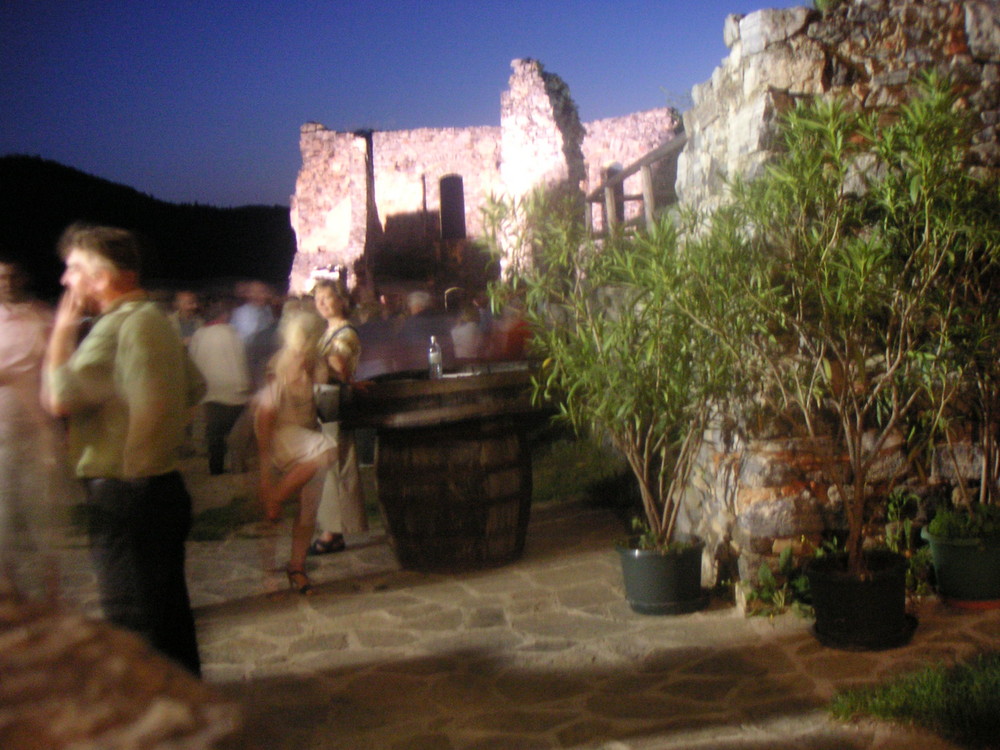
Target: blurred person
{"x":342,"y":508}
{"x":377,"y":335}
{"x":511,"y":333}
{"x":260,"y":348}
{"x":255,"y":313}
{"x":482,"y":303}
{"x":35,"y":490}
{"x":466,"y":335}
{"x":217,"y":350}
{"x":289,"y":438}
{"x":126,"y":390}
{"x":416,"y":329}
{"x":184,"y":317}
{"x":366,"y":305}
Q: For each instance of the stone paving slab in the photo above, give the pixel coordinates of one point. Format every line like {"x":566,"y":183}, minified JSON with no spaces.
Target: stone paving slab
{"x":542,"y":653}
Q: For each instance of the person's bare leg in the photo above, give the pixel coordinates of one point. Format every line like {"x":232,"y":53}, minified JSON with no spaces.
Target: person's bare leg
{"x":275,"y":494}
{"x":305,"y":525}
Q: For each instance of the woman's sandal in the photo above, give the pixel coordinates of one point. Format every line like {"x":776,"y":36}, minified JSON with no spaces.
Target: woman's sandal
{"x":299,"y":581}
{"x":322,"y":546}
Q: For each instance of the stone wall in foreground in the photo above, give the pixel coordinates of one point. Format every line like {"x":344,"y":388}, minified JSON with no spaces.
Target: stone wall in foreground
{"x":868,"y":51}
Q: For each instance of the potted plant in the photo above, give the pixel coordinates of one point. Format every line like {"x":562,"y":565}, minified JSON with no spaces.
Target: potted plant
{"x":964,"y":536}
{"x":625,"y":365}
{"x":844,"y":259}
{"x":965,"y":546}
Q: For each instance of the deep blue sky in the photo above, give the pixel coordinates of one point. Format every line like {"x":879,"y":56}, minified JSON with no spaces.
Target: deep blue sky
{"x":201,"y":100}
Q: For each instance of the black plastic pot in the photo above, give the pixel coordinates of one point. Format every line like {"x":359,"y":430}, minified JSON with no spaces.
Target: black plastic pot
{"x":663,"y":583}
{"x":861,"y":614}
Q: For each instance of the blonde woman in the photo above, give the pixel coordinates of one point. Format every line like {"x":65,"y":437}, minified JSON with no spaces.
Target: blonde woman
{"x":289,"y":438}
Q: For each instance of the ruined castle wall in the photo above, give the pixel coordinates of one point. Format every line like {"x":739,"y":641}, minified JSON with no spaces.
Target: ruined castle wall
{"x":540,"y":142}
{"x":409,"y":165}
{"x":329,"y":209}
{"x":541,"y":131}
{"x":868,"y":51}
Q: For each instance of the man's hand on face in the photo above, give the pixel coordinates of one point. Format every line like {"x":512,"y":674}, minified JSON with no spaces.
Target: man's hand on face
{"x":71,"y":310}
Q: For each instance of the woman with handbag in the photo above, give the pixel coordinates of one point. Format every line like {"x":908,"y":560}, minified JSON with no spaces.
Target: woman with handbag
{"x":342,"y":508}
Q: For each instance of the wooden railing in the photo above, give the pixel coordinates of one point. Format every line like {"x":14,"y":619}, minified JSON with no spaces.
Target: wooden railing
{"x":609,"y":192}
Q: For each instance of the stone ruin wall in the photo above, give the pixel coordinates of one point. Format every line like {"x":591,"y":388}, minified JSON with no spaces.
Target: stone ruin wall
{"x":540,"y":141}
{"x":868,"y":51}
{"x":329,"y":210}
{"x":755,"y":497}
{"x":540,"y":131}
{"x":410,"y":163}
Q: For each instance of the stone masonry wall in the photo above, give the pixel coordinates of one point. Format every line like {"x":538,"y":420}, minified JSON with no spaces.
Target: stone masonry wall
{"x":540,"y":144}
{"x":409,"y":165}
{"x":329,"y":210}
{"x":540,"y":131}
{"x":868,"y":51}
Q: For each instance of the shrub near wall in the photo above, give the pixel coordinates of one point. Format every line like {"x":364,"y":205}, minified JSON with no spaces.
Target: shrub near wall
{"x":858,"y":262}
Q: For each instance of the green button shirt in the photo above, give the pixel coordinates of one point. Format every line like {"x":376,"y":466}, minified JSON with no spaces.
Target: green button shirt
{"x":128,"y":390}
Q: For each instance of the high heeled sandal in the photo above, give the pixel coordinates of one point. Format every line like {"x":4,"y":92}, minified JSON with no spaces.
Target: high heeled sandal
{"x":299,"y":581}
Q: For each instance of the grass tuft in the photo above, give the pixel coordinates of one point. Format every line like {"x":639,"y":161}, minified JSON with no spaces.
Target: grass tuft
{"x":961,"y":703}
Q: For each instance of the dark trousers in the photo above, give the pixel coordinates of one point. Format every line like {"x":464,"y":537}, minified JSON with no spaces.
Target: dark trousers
{"x":137,"y":532}
{"x":219,"y":420}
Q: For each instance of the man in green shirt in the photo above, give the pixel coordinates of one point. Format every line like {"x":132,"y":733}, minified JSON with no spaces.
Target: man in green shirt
{"x":126,"y":389}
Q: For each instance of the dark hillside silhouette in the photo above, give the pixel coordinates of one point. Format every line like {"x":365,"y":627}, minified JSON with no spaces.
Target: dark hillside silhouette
{"x":191,"y":243}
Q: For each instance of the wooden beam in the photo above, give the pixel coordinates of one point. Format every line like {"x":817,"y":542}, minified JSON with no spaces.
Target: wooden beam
{"x":658,"y":154}
{"x":611,"y":208}
{"x":648,"y":201}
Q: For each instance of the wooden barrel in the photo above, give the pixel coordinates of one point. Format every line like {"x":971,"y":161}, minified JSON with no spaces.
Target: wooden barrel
{"x":452,"y":466}
{"x":455,"y":496}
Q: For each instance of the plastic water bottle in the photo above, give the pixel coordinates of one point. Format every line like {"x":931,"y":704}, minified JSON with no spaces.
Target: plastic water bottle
{"x":434,"y":359}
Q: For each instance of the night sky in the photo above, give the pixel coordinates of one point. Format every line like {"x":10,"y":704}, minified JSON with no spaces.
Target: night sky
{"x":202,"y":100}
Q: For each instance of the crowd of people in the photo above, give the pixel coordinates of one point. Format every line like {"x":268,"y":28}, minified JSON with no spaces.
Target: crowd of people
{"x":107,"y":386}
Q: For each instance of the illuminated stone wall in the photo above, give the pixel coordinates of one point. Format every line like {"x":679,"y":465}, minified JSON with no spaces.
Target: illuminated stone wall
{"x":868,"y":51}
{"x":338,"y":216}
